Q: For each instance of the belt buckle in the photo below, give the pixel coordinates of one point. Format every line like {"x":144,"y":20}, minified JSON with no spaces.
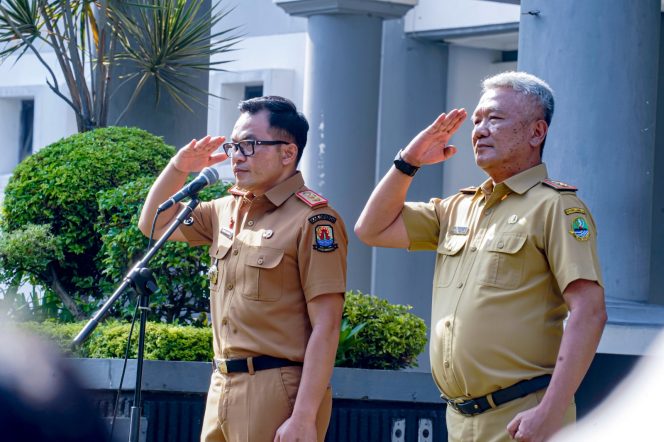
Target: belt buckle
{"x":451,"y":403}
{"x":221,"y":366}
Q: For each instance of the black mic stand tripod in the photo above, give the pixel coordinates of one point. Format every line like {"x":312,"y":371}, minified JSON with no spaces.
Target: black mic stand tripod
{"x":142,"y":280}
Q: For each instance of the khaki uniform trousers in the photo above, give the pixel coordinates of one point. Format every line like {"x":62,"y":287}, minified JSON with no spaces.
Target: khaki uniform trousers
{"x":491,"y":426}
{"x":243,"y":407}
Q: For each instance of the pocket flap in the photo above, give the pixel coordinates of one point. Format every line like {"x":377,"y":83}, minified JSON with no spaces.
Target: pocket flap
{"x":507,"y":243}
{"x":452,"y":244}
{"x":264,"y":257}
{"x":223,"y":246}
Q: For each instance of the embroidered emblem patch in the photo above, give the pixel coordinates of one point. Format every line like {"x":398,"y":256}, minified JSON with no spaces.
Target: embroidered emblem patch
{"x":459,"y":230}
{"x":580,"y":229}
{"x":311,"y":198}
{"x":213,"y":272}
{"x":573,"y":210}
{"x":324,"y":238}
{"x":322,"y":217}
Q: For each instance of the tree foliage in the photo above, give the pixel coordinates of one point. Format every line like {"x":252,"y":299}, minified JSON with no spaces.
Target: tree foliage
{"x":180,"y":270}
{"x":165,"y":41}
{"x":52,"y":197}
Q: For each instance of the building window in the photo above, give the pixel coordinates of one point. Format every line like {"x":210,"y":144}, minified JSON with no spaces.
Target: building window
{"x":253,"y":91}
{"x":26,"y":129}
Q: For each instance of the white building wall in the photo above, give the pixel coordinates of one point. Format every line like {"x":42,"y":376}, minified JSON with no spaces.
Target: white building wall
{"x":453,"y":14}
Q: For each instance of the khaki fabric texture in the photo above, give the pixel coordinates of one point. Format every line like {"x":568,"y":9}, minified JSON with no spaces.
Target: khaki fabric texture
{"x":265,"y":268}
{"x":491,"y":426}
{"x":250,"y":408}
{"x":504,"y":256}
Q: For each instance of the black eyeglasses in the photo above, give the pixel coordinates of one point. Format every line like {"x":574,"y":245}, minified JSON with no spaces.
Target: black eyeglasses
{"x":247,"y":147}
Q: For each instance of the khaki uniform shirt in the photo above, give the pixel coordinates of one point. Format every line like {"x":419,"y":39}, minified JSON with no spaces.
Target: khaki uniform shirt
{"x":505,"y":255}
{"x":264,"y":272}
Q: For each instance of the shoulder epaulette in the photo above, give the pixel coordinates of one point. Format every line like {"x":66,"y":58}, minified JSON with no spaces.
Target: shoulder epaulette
{"x":469,"y":190}
{"x":311,"y":198}
{"x":559,"y":185}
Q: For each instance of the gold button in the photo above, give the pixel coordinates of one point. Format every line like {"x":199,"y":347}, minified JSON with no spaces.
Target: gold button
{"x":250,"y":223}
{"x":224,"y":321}
{"x":459,"y":285}
{"x":260,"y":260}
{"x":501,"y":245}
{"x":447,"y":324}
{"x":236,"y":251}
{"x":230,"y":286}
{"x":473,"y":249}
{"x":446,"y":364}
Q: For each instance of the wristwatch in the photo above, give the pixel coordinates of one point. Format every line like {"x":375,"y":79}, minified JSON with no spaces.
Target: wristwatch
{"x":403,"y":166}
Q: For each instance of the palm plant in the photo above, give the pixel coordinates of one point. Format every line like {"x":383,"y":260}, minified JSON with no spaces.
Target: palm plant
{"x":166,"y":41}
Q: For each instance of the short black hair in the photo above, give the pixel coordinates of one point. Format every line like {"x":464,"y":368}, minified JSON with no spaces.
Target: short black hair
{"x":283,"y":116}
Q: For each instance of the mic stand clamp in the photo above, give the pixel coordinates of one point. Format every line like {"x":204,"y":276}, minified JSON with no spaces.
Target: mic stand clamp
{"x":142,"y":280}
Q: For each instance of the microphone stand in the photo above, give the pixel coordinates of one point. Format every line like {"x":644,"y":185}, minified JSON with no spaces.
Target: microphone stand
{"x":140,"y":277}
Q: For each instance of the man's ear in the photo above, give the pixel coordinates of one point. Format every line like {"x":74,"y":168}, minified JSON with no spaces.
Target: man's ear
{"x":540,"y":130}
{"x":288,"y":153}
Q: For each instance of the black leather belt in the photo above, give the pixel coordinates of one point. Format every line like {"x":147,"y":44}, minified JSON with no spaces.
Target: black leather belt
{"x":251,"y":364}
{"x":479,"y":405}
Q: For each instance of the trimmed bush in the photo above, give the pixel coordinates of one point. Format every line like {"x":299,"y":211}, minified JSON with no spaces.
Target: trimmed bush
{"x":377,"y":335}
{"x":57,"y":188}
{"x":391,"y":339}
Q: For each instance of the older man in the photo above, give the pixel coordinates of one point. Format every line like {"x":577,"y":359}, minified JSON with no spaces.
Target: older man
{"x":277,"y":278}
{"x":515,"y":256}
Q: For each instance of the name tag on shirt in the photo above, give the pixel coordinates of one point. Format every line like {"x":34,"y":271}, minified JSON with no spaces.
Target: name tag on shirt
{"x":459,"y":230}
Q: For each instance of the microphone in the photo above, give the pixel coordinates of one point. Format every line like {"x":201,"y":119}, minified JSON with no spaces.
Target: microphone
{"x":208,"y":176}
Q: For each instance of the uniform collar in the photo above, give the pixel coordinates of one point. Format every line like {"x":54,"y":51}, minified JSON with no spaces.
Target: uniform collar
{"x":279,"y":193}
{"x":524,"y":181}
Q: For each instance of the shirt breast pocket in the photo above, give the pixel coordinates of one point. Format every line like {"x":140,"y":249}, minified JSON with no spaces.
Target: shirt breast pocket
{"x":216,"y":269}
{"x":449,"y":257}
{"x":263,"y":274}
{"x":502,"y":264}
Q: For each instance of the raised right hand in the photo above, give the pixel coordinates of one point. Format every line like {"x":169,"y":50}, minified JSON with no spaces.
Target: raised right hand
{"x":430,"y":145}
{"x":199,"y":154}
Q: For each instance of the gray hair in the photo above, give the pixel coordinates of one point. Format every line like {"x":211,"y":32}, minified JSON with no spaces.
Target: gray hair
{"x":526,"y":84}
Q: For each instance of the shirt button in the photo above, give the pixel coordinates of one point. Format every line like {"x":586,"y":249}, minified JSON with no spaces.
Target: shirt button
{"x":501,"y":245}
{"x":260,"y":261}
{"x":446,"y":364}
{"x":224,"y":321}
{"x":229,"y":286}
{"x":236,"y":251}
{"x":250,"y":223}
{"x":473,"y":249}
{"x":459,"y":285}
{"x":447,"y":324}
{"x":488,"y":212}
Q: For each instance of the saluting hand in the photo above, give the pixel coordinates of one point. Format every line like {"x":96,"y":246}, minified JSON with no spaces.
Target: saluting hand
{"x":199,"y":154}
{"x":430,"y":145}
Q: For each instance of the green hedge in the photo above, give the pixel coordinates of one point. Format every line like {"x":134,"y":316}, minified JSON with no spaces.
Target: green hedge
{"x":375,"y":334}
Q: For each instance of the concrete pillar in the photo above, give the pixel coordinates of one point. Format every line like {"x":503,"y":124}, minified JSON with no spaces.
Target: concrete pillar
{"x":412,"y":93}
{"x":601,"y":58}
{"x":657,"y":248}
{"x":342,"y":77}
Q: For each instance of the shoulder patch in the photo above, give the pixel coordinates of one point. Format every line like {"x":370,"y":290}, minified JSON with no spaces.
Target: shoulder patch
{"x":469,"y":190}
{"x":559,"y":185}
{"x":311,"y":198}
{"x":322,"y":217}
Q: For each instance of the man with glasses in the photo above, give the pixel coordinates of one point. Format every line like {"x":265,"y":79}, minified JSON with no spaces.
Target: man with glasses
{"x":277,"y":277}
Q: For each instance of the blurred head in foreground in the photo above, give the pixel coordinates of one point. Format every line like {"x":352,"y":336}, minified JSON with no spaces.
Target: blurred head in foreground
{"x":41,"y":399}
